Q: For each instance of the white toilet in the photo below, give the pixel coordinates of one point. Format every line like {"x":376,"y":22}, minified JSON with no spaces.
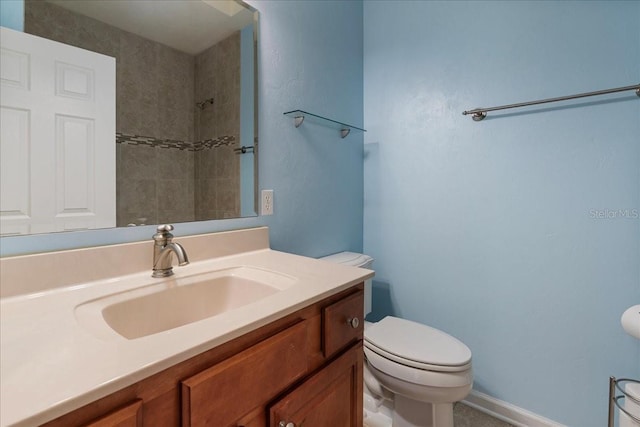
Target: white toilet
{"x":413,"y":373}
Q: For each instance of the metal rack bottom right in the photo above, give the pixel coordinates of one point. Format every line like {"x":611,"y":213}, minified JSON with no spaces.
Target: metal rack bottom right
{"x":615,"y":387}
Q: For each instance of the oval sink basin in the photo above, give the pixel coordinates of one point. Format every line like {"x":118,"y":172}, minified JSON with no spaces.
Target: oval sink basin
{"x":176,"y":302}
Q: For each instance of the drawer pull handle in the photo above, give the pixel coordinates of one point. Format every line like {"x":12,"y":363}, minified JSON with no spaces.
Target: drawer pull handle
{"x":353,"y":322}
{"x":286,"y":424}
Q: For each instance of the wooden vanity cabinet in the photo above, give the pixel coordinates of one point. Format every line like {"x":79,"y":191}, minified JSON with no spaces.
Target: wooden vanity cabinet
{"x":305,"y":369}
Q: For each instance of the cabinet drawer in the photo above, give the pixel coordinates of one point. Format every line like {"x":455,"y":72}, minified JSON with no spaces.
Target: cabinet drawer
{"x":127,"y":416}
{"x":342,"y":323}
{"x":220,"y":395}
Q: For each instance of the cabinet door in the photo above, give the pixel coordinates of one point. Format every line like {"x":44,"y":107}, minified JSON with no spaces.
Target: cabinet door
{"x":332,"y":397}
{"x":128,"y":416}
{"x":225,"y":393}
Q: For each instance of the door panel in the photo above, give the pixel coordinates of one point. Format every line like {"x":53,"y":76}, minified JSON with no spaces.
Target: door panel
{"x":57,"y":136}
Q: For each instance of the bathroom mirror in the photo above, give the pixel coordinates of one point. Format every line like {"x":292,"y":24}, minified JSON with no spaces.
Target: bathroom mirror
{"x":186,"y":107}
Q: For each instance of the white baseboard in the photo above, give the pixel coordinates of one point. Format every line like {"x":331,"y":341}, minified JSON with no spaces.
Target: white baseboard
{"x":507,"y":412}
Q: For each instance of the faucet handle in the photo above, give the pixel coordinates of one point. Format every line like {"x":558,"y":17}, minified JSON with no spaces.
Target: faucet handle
{"x":163,"y":234}
{"x":164,"y":228}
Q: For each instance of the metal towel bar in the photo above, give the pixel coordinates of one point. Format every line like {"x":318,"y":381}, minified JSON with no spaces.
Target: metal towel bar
{"x":480,"y":113}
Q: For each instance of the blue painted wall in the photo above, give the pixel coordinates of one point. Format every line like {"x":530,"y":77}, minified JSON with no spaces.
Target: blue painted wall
{"x":12,"y":14}
{"x":491,"y":230}
{"x":310,"y":57}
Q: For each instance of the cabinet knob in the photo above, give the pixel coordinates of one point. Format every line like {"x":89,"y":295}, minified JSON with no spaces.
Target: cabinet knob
{"x":286,"y":424}
{"x":353,"y":322}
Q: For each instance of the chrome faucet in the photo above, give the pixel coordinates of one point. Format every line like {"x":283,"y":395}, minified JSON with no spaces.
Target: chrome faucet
{"x":163,"y":247}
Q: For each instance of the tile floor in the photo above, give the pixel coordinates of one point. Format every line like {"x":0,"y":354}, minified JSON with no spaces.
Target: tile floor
{"x":463,"y":416}
{"x":466,"y":416}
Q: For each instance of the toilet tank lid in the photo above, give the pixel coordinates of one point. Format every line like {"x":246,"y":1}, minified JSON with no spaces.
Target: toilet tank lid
{"x":350,"y":258}
{"x":417,"y":342}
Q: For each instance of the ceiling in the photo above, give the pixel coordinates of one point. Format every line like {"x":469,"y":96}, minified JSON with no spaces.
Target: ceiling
{"x":190,"y":26}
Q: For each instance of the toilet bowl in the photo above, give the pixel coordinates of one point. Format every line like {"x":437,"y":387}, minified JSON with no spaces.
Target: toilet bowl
{"x":426,"y":371}
{"x":413,"y":373}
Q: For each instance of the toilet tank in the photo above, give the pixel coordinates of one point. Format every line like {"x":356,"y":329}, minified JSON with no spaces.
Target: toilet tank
{"x":356,"y":260}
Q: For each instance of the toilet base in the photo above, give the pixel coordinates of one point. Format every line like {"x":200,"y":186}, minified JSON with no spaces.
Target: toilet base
{"x":413,"y":413}
{"x":378,"y":411}
{"x":401,"y":411}
{"x":400,"y":400}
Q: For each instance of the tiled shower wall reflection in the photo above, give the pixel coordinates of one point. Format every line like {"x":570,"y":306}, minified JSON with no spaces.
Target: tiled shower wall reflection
{"x":154,"y":185}
{"x":217,"y":171}
{"x":164,"y":172}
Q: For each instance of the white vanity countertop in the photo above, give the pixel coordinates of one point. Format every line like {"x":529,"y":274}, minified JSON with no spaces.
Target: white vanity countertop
{"x":51,"y":365}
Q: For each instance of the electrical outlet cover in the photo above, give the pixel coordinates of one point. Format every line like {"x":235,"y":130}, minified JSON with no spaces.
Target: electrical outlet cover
{"x":266,"y":202}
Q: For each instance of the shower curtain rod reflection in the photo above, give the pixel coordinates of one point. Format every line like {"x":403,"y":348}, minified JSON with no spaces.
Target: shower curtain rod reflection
{"x":243,"y":150}
{"x":481,"y":113}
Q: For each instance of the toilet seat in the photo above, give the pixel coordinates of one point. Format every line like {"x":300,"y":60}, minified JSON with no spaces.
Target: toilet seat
{"x":416,"y":345}
{"x":422,"y":377}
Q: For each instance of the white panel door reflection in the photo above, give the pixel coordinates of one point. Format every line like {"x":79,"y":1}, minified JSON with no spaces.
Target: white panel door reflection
{"x":57,"y":136}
